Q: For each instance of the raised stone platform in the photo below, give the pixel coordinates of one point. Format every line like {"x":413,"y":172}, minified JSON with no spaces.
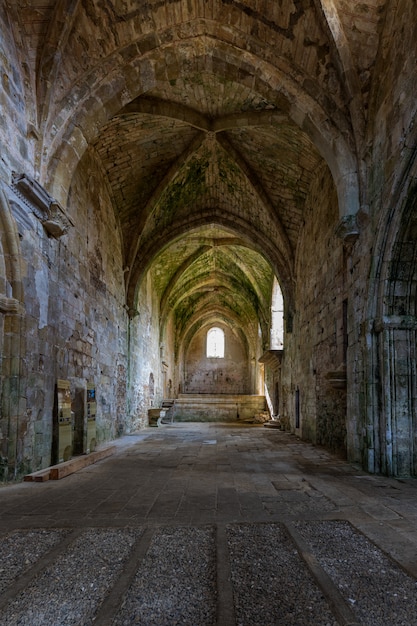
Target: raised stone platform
{"x":193,"y":407}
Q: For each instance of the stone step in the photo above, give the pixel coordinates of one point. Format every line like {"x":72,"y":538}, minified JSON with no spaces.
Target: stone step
{"x":219,"y":407}
{"x":275,"y":422}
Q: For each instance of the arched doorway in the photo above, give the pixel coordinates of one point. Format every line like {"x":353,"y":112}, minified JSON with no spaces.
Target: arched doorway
{"x":391,"y":440}
{"x":11,"y":382}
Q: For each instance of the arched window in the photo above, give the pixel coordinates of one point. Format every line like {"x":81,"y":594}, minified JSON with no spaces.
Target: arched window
{"x":277,"y":317}
{"x":215,"y":343}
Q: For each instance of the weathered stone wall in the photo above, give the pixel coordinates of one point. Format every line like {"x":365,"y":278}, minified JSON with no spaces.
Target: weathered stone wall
{"x":391,"y":138}
{"x":17,"y":142}
{"x":394,"y":105}
{"x":229,"y":375}
{"x":145,"y":376}
{"x":98,"y":340}
{"x":315,"y":348}
{"x":16,"y":115}
{"x":170,"y":366}
{"x":74,"y":323}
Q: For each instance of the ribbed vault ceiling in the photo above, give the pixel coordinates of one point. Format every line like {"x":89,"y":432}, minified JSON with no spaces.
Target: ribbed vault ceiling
{"x":185,"y":165}
{"x":208,"y":121}
{"x":210,"y":275}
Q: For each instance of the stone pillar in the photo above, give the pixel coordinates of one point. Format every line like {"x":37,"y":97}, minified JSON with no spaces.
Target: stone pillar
{"x":13,"y":400}
{"x":397,"y":394}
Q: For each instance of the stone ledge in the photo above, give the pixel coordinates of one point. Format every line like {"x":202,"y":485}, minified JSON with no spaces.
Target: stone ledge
{"x":56,"y":472}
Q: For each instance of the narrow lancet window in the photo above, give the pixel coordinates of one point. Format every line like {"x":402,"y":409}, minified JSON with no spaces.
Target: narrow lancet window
{"x":277,"y":318}
{"x":215,"y":343}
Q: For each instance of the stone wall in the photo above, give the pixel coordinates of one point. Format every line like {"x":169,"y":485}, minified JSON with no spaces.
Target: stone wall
{"x":145,"y":375}
{"x":314,"y":350}
{"x":73,"y":324}
{"x":16,"y":107}
{"x":390,"y":171}
{"x":229,"y":375}
{"x":394,"y":105}
{"x":98,"y":342}
{"x":171,"y":382}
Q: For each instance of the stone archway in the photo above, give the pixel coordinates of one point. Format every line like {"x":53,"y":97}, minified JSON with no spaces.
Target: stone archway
{"x":390,"y":445}
{"x":11,"y":348}
{"x":396,"y":333}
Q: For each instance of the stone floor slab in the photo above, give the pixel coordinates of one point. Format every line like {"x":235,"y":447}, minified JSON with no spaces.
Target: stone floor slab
{"x":221,"y":496}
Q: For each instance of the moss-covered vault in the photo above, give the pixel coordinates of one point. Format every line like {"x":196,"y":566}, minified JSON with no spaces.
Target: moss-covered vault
{"x":206,"y":277}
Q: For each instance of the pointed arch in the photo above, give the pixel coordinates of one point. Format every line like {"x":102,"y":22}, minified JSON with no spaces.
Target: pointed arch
{"x":11,"y":350}
{"x":390,"y":427}
{"x":277,"y":317}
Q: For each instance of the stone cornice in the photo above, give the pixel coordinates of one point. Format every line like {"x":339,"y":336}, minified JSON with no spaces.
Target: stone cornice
{"x":51,"y":214}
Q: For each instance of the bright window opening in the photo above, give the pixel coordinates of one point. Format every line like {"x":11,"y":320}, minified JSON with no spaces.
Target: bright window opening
{"x":215,"y":343}
{"x":277,"y":317}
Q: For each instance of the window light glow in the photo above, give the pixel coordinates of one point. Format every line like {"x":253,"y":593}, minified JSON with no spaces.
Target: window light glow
{"x":215,"y":343}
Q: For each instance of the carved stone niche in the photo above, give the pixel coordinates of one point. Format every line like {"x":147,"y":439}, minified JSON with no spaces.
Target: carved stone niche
{"x":48,"y":210}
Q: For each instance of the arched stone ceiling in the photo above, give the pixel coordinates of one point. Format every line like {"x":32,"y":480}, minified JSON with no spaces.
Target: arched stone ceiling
{"x":69,"y":46}
{"x":259,"y":175}
{"x":202,"y":112}
{"x":209,"y":275}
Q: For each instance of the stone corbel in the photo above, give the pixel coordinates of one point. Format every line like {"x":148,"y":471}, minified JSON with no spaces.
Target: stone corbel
{"x":132,"y":313}
{"x":9,"y":305}
{"x":48,"y":210}
{"x":57,"y":222}
{"x":348,"y":230}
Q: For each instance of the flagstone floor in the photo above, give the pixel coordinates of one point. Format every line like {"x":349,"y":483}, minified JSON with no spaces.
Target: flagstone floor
{"x":210,"y":525}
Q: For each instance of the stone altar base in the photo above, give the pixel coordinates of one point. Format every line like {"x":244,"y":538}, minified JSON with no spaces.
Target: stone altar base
{"x":193,"y":407}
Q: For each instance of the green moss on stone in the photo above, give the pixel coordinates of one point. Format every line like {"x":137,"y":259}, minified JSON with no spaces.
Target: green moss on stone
{"x":187,"y":188}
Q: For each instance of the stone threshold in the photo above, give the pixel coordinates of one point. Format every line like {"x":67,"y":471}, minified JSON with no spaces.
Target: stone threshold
{"x":56,"y":472}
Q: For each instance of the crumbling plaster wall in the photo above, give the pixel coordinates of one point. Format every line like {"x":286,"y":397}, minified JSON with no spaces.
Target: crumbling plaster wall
{"x":315,"y":346}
